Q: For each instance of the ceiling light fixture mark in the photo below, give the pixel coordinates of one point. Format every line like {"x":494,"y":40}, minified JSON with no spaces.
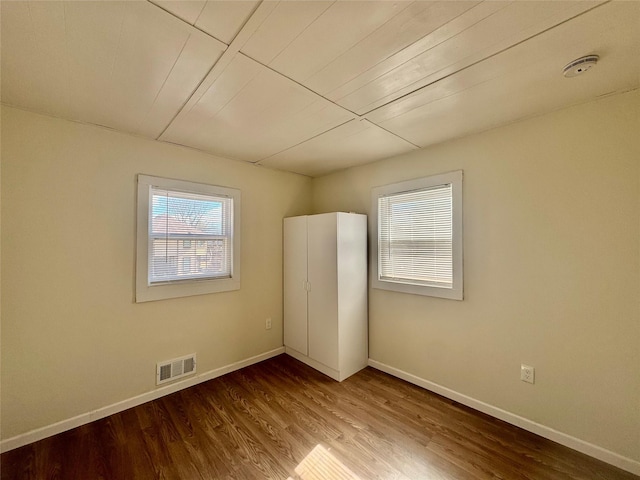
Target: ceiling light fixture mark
{"x":580,"y":66}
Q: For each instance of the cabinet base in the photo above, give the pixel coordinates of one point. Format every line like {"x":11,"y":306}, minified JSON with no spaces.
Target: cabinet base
{"x":330,"y":372}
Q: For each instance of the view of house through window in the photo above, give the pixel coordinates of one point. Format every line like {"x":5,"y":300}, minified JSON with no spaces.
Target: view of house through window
{"x":188,"y":239}
{"x":190,"y":236}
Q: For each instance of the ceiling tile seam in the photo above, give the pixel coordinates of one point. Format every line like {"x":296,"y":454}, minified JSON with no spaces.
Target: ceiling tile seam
{"x":412,"y":92}
{"x":258,"y":162}
{"x":304,"y":30}
{"x":617,"y":92}
{"x":67,"y":56}
{"x":233,"y":97}
{"x":352,"y":116}
{"x":391,"y":133}
{"x":254,"y":78}
{"x":264,"y":8}
{"x":115,"y":54}
{"x":185,"y":22}
{"x":33,"y":29}
{"x":35,"y":43}
{"x":319,"y":95}
{"x":206,"y":152}
{"x":32,"y":36}
{"x":252,"y":24}
{"x":204,"y":5}
{"x":189,"y":97}
{"x":355,"y":45}
{"x":164,"y":82}
{"x":359,"y":42}
{"x":275,"y":57}
{"x":210,"y":78}
{"x":423,"y":51}
{"x":249,"y":17}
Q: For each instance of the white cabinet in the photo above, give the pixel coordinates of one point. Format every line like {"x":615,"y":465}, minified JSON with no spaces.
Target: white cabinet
{"x":325,"y":292}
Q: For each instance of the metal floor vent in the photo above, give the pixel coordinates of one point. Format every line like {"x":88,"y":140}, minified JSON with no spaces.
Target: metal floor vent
{"x":177,"y":368}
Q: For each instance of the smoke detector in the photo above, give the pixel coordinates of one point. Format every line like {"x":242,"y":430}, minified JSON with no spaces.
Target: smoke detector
{"x":580,"y":65}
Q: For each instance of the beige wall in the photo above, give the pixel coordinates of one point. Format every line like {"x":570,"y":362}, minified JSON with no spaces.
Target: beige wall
{"x":552,"y":271}
{"x":72,"y":338}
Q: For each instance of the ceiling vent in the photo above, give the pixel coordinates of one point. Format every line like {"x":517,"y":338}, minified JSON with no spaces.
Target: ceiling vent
{"x":170,"y":370}
{"x":579,"y":66}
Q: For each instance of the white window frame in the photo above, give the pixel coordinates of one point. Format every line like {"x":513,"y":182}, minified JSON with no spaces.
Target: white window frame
{"x":145,"y":291}
{"x":456,"y":291}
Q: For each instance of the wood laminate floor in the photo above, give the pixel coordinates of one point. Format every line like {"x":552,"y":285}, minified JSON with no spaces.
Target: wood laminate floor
{"x":283,"y":420}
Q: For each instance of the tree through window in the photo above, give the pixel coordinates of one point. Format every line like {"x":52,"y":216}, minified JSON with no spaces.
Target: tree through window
{"x":187,"y":235}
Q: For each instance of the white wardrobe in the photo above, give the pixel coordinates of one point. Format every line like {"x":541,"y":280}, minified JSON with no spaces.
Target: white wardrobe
{"x":325,"y":292}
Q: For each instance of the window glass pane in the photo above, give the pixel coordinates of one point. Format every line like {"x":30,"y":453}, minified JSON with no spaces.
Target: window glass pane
{"x":190,"y":236}
{"x":415,"y":243}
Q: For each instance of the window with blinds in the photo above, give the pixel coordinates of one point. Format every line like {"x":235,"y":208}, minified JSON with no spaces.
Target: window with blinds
{"x":188,"y":242}
{"x":190,"y":236}
{"x":418,"y":232}
{"x":415,"y":237}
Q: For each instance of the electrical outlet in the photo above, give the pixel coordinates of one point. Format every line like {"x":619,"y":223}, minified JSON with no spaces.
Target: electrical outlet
{"x":267,"y":324}
{"x":527,"y":373}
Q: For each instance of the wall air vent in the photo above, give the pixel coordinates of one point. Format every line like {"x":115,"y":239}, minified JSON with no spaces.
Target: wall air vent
{"x":170,"y":370}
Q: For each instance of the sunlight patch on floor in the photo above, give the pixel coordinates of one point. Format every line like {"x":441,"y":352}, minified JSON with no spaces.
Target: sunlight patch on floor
{"x":320,"y":464}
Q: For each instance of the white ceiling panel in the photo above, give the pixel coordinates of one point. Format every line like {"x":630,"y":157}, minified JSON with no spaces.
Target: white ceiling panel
{"x":196,"y":58}
{"x":250,"y":112}
{"x":354,"y":143}
{"x":285,"y":23}
{"x":316,"y":35}
{"x":126,"y":65}
{"x":311,"y":85}
{"x":525,"y":80}
{"x":479,"y":33}
{"x":404,"y":29}
{"x":34,"y":73}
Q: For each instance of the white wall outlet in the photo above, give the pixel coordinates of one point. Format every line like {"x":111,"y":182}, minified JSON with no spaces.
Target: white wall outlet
{"x":267,"y":324}
{"x":527,"y":373}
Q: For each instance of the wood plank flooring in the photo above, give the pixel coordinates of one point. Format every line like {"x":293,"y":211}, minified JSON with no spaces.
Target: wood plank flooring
{"x":283,"y":420}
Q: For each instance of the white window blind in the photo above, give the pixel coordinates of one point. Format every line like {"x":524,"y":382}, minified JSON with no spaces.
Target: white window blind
{"x":190,"y":236}
{"x":415,"y":243}
{"x":416,"y":227}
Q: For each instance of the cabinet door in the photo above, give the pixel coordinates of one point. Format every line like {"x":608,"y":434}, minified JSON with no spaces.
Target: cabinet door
{"x":323,"y":292}
{"x":295,"y":281}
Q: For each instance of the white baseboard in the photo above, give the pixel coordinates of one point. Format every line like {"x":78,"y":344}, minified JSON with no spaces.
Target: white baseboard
{"x":68,"y":424}
{"x":587,"y":448}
